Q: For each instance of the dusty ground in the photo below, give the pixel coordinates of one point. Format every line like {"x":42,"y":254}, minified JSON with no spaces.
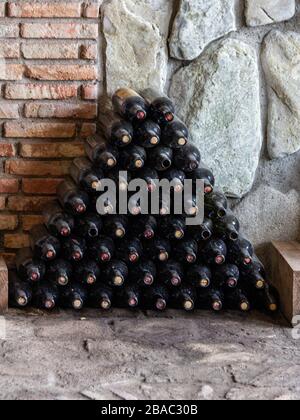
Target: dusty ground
{"x":124,"y":355}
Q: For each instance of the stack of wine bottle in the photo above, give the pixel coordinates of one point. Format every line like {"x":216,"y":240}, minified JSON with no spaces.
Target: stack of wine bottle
{"x":80,"y":258}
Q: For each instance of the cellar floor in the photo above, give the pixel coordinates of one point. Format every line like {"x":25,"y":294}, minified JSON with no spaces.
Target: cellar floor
{"x":124,"y":355}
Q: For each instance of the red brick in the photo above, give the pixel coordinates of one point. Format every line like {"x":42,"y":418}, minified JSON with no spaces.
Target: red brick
{"x":90,"y":92}
{"x":40,"y":91}
{"x":61,"y":72}
{"x":9,"y":110}
{"x":88,"y":130}
{"x":8,"y":222}
{"x":2,"y":203}
{"x":7,"y":150}
{"x":89,"y":52}
{"x":29,"y":221}
{"x":50,"y":50}
{"x":60,"y":110}
{"x":52,"y":150}
{"x":36,"y":130}
{"x":16,"y":240}
{"x":44,"y":10}
{"x":9,"y":30}
{"x":9,"y":186}
{"x":11,"y":71}
{"x":9,"y":49}
{"x":91,"y":10}
{"x":28,"y":204}
{"x":37,"y":168}
{"x":60,"y":30}
{"x":40,"y":186}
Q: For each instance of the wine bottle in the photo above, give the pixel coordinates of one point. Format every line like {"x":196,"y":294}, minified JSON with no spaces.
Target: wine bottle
{"x":186,"y":251}
{"x":215,"y":252}
{"x":171,"y":273}
{"x":144,"y":273}
{"x":228,"y":227}
{"x":60,"y":272}
{"x":156,"y":297}
{"x":89,"y":226}
{"x":253,"y":275}
{"x":74,"y":248}
{"x":173,"y":227}
{"x":133,"y":158}
{"x":58,"y":222}
{"x":216,"y":205}
{"x":176,"y":178}
{"x":206,"y":176}
{"x":227,"y":276}
{"x":130,"y":250}
{"x":29,"y":268}
{"x":121,"y":181}
{"x":235,"y":299}
{"x":74,"y":296}
{"x":20,"y":291}
{"x":164,"y":207}
{"x":187,"y":158}
{"x":191,"y":207}
{"x":85,"y":175}
{"x":184,"y":297}
{"x":46,"y":296}
{"x":72,"y":199}
{"x":150,"y":176}
{"x":134,"y":204}
{"x":87,"y":272}
{"x":204,"y":231}
{"x":44,"y":245}
{"x":175,"y":134}
{"x":144,"y":227}
{"x":266,"y":299}
{"x":160,"y":158}
{"x":157,"y":249}
{"x":147,"y":134}
{"x":200,"y":276}
{"x":210,"y":299}
{"x":116,"y":273}
{"x":115,"y":129}
{"x":240,"y":252}
{"x":129,"y":296}
{"x":102,"y":249}
{"x":102,"y":154}
{"x":101,"y":296}
{"x":116,"y":226}
{"x":130,"y":105}
{"x":161,"y":108}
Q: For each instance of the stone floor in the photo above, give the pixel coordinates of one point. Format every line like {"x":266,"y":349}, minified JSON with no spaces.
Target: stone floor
{"x":124,"y":355}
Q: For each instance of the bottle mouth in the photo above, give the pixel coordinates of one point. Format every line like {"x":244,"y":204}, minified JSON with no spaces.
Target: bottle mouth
{"x":166,"y":163}
{"x":93,"y":232}
{"x":193,"y":211}
{"x":260,"y":284}
{"x":65,"y":231}
{"x":80,"y":208}
{"x":77,"y":255}
{"x":77,"y":304}
{"x":208,"y":189}
{"x":163,"y":256}
{"x":273,"y":307}
{"x":149,"y":234}
{"x":120,"y":233}
{"x":179,"y":234}
{"x":188,"y":305}
{"x":204,"y":283}
{"x":105,"y":304}
{"x":126,"y":139}
{"x":151,"y":187}
{"x":178,"y":185}
{"x":232,"y":282}
{"x":141,"y":115}
{"x":169,"y":117}
{"x":176,"y":281}
{"x":91,"y":279}
{"x":182,"y":141}
{"x":111,"y":162}
{"x":134,"y":257}
{"x":49,"y":304}
{"x":221,"y":213}
{"x":62,"y":280}
{"x":148,"y":280}
{"x":161,"y":304}
{"x":138,"y":163}
{"x":118,"y":281}
{"x":123,"y":186}
{"x":154,"y":141}
{"x":105,"y":256}
{"x":96,"y":185}
{"x":135,"y":211}
{"x":133,"y":302}
{"x":51,"y":254}
{"x":220,"y":259}
{"x":34,"y":276}
{"x":245,"y":306}
{"x":193,"y":165}
{"x":164,"y":211}
{"x":247,"y":260}
{"x":234,"y":236}
{"x":22,"y":301}
{"x":206,"y":234}
{"x":191,"y":258}
{"x":217,"y":306}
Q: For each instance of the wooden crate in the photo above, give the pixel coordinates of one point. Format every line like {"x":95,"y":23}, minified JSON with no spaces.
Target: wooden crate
{"x":285,"y":261}
{"x":3,"y":286}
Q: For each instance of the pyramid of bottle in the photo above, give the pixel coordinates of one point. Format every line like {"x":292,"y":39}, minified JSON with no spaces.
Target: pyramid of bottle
{"x":80,"y":258}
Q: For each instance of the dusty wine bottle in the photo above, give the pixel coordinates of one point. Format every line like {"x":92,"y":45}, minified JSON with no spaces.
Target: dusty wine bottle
{"x":175,"y":134}
{"x":214,"y":252}
{"x":147,"y":134}
{"x":216,"y":205}
{"x":20,"y":291}
{"x":266,"y":299}
{"x":130,"y":250}
{"x":89,"y":226}
{"x":204,"y":231}
{"x":116,"y":226}
{"x":60,"y":272}
{"x":184,"y":297}
{"x":156,"y":297}
{"x":116,"y":273}
{"x":253,"y":275}
{"x":160,"y":158}
{"x":157,"y":249}
{"x":227,"y":276}
{"x":133,"y":158}
{"x":206,"y":176}
{"x":150,"y":176}
{"x":85,"y":175}
{"x":228,"y":227}
{"x":119,"y":178}
{"x":199,"y":276}
{"x":172,"y":227}
{"x":171,"y":273}
{"x":186,"y":251}
{"x":74,"y":248}
{"x":58,"y":222}
{"x":46,"y":296}
{"x":87,"y":272}
{"x":240,"y":252}
{"x":161,"y":108}
{"x":176,"y":178}
{"x":74,"y":296}
{"x":29,"y":268}
{"x":72,"y":199}
{"x":187,"y":158}
{"x":44,"y":245}
{"x":130,"y":105}
{"x":144,"y":273}
{"x":115,"y":129}
{"x":101,"y":153}
{"x":144,"y":227}
{"x":210,"y":299}
{"x":102,"y":249}
{"x":101,"y":296}
{"x":235,"y":299}
{"x":129,"y":296}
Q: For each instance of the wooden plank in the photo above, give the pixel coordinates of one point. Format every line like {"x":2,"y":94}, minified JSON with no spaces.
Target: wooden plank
{"x":285,"y":260}
{"x":3,"y":286}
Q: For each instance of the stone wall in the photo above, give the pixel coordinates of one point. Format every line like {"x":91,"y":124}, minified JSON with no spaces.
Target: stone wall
{"x":230,"y":65}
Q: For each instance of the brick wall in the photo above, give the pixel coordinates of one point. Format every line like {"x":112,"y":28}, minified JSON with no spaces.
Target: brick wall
{"x":49,"y":75}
